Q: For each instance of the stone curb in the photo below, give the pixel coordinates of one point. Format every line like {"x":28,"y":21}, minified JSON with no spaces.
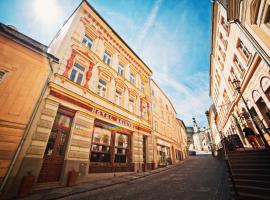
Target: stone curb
{"x":126,"y":178}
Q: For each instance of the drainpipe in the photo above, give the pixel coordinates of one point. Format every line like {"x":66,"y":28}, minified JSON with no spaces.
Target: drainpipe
{"x":27,"y":127}
{"x":253,"y":41}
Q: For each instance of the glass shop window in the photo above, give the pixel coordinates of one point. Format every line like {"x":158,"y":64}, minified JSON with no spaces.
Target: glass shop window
{"x":100,"y":149}
{"x":121,"y":148}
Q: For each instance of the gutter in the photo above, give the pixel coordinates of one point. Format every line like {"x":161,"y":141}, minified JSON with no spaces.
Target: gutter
{"x":33,"y":115}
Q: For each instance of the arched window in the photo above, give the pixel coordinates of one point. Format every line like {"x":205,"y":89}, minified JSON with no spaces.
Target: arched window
{"x":255,"y":95}
{"x":265,"y":83}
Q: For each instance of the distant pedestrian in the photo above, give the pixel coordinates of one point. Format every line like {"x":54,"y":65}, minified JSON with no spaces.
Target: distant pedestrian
{"x":251,"y":137}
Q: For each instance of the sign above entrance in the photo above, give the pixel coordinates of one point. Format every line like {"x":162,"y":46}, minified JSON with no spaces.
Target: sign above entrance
{"x":163,"y":143}
{"x":97,"y":111}
{"x":111,"y":117}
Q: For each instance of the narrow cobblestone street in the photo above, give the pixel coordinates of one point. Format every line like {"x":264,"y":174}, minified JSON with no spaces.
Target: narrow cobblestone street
{"x":199,"y":178}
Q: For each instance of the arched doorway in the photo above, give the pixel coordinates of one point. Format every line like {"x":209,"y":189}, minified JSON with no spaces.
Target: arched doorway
{"x":264,"y":110}
{"x":265,"y":85}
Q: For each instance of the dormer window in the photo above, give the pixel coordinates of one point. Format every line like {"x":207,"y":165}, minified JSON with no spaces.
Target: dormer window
{"x":77,"y":73}
{"x":121,"y":70}
{"x":87,"y":41}
{"x":107,"y":58}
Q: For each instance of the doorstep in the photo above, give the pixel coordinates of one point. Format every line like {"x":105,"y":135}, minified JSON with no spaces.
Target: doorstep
{"x":86,"y":186}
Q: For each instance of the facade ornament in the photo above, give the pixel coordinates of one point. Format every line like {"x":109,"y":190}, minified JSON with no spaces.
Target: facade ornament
{"x":88,"y":75}
{"x":70,"y":63}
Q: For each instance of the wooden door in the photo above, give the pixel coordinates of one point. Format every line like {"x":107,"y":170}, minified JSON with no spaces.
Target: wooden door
{"x":56,"y":147}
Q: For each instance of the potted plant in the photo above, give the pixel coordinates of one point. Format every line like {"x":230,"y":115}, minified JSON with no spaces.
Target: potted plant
{"x":26,"y":184}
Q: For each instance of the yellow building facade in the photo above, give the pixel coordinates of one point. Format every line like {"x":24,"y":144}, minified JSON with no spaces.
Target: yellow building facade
{"x":25,"y":67}
{"x":169,"y":133}
{"x":240,"y":52}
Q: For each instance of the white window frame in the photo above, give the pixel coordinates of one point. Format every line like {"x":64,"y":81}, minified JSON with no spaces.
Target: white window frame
{"x":239,"y":64}
{"x":132,"y":78}
{"x":121,"y":70}
{"x":102,"y":88}
{"x":142,"y":87}
{"x":118,"y":97}
{"x":107,"y":58}
{"x":131,"y":106}
{"x":77,"y":73}
{"x":87,"y":41}
{"x":244,"y":49}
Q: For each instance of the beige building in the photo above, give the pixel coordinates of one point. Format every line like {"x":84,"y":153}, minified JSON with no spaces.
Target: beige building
{"x":95,"y":118}
{"x":169,"y":133}
{"x":240,"y":54}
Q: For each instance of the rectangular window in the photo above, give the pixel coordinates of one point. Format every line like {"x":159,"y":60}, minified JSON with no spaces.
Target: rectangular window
{"x":3,"y":74}
{"x":77,"y":73}
{"x":87,"y":41}
{"x":144,"y":111}
{"x":102,"y":88}
{"x":142,"y":87}
{"x":131,"y":104}
{"x":153,"y":93}
{"x":132,"y":78}
{"x":118,"y":97}
{"x":154,"y":107}
{"x":243,"y":49}
{"x":107,"y":58}
{"x":121,"y":148}
{"x":239,"y":64}
{"x":155,"y":125}
{"x":100,"y":149}
{"x":121,"y":70}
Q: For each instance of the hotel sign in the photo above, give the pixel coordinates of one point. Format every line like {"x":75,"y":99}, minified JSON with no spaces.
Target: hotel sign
{"x":111,"y":117}
{"x":92,"y":109}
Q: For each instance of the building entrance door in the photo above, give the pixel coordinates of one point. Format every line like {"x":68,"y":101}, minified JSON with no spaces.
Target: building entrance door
{"x":144,"y":153}
{"x":56,"y":147}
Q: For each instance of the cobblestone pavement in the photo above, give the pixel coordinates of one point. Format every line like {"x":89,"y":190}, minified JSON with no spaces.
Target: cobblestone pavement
{"x":199,"y":178}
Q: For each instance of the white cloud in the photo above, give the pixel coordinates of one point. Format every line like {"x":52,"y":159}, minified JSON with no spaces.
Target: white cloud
{"x":147,"y":25}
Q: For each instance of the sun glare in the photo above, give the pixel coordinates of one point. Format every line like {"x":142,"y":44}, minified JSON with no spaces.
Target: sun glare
{"x":46,"y":11}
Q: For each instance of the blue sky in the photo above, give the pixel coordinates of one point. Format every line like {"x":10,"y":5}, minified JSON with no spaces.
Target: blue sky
{"x":171,"y":36}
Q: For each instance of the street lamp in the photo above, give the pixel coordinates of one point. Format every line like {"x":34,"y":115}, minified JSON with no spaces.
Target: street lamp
{"x":237,"y":87}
